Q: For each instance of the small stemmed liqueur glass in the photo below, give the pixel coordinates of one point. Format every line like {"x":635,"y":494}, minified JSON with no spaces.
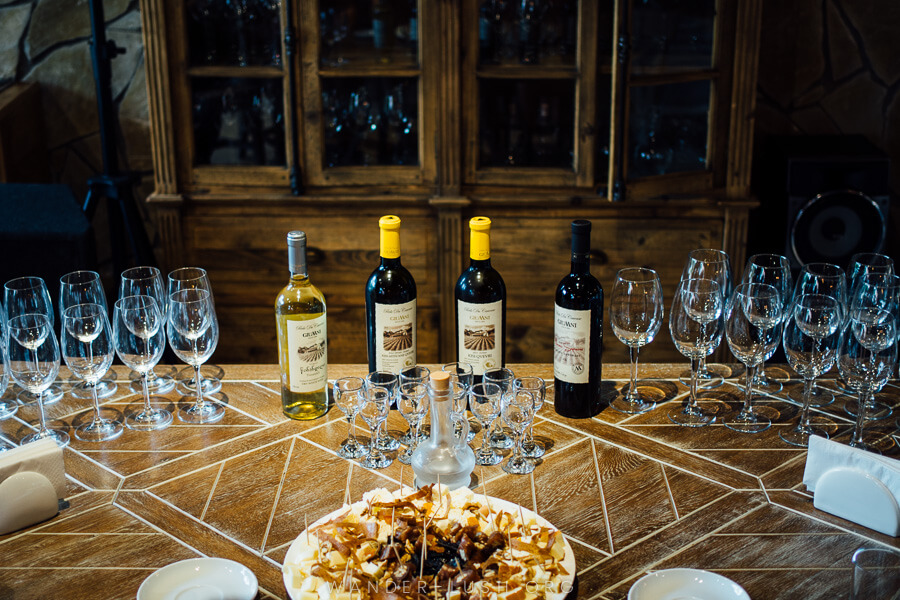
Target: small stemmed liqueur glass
{"x":193,"y":333}
{"x":460,"y":403}
{"x":375,"y":408}
{"x":348,"y":396}
{"x":412,"y":401}
{"x":530,"y":447}
{"x":88,"y":349}
{"x":413,"y":374}
{"x":752,"y":318}
{"x":635,"y":314}
{"x":85,"y":287}
{"x":696,"y":326}
{"x":484,"y":402}
{"x":148,"y":281}
{"x":866,"y":359}
{"x":385,"y":441}
{"x":464,"y":374}
{"x":518,"y":412}
{"x":500,"y":436}
{"x":774,"y":270}
{"x":34,"y":364}
{"x":708,"y":263}
{"x":195,"y":278}
{"x":810,"y":344}
{"x":140,"y":339}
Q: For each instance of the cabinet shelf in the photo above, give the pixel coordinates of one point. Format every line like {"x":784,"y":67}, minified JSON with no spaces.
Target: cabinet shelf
{"x":526,"y":72}
{"x":249,"y":72}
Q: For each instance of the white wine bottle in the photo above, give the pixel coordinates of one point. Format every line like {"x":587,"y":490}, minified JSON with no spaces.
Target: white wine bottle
{"x":302,"y":340}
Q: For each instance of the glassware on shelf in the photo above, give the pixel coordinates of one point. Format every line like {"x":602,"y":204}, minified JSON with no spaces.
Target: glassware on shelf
{"x":348,"y":395}
{"x":708,"y":263}
{"x":774,"y":270}
{"x":518,"y":413}
{"x":484,"y":402}
{"x":234,"y":32}
{"x":413,"y":403}
{"x":375,"y":408}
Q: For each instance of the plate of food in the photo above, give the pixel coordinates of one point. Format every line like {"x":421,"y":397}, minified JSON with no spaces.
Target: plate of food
{"x":685,"y":584}
{"x":373,"y":550}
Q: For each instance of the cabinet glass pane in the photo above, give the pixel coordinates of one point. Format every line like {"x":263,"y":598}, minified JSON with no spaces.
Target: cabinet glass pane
{"x":668,"y":128}
{"x":601,"y":130}
{"x":370,"y":121}
{"x":234,"y":32}
{"x":672,"y":33}
{"x":527,"y":32}
{"x":238,"y":121}
{"x":380,"y":31}
{"x":526,"y":123}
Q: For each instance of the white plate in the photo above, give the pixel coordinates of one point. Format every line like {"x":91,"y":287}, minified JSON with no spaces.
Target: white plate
{"x":200,"y":579}
{"x":568,"y":561}
{"x":686,"y":584}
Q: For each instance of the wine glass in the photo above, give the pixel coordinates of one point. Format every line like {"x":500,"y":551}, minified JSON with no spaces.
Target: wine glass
{"x":459,"y":394}
{"x":774,"y":270}
{"x":530,"y":447}
{"x":33,"y":364}
{"x":148,"y":281}
{"x":518,"y":412}
{"x":412,"y":401}
{"x":88,"y":349}
{"x":810,"y":344}
{"x":462,"y":373}
{"x":195,"y":278}
{"x":484,"y":402}
{"x":695,"y":324}
{"x":348,"y":396}
{"x":752,"y":318}
{"x":375,"y":408}
{"x":85,"y":287}
{"x":413,"y":374}
{"x":866,"y":359}
{"x":500,"y":436}
{"x":7,"y":408}
{"x":708,"y":263}
{"x":385,"y":441}
{"x":193,"y":333}
{"x":865,"y":263}
{"x":29,"y":295}
{"x":140,"y":338}
{"x":635,"y":314}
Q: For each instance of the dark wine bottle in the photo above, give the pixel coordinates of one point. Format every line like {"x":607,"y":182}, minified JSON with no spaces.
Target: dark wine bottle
{"x":480,"y":305}
{"x":390,"y":306}
{"x":578,"y":333}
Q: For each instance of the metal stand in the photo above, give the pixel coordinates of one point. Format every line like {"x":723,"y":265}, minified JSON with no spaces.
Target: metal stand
{"x":125,"y":223}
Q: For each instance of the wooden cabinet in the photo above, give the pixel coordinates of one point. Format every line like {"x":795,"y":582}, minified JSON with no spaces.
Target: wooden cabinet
{"x":274,"y":116}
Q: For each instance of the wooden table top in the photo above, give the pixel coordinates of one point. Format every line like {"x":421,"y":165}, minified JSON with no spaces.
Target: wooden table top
{"x":631,"y":493}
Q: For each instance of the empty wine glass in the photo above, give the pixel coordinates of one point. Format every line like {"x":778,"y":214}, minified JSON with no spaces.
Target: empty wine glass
{"x":460,"y":371}
{"x":193,"y":333}
{"x":530,"y":447}
{"x":374,"y":411}
{"x":88,"y":349}
{"x":484,"y":402}
{"x":195,"y":278}
{"x":518,"y":412}
{"x":348,"y":396}
{"x":774,"y":270}
{"x":148,"y":281}
{"x":696,"y":326}
{"x":139,"y":333}
{"x":810,"y":343}
{"x":500,"y":436}
{"x":752,"y":318}
{"x":866,"y":358}
{"x":385,"y":441}
{"x":708,"y":263}
{"x":460,"y":402}
{"x":865,"y":263}
{"x":635,"y":314}
{"x":29,"y":295}
{"x":413,"y":374}
{"x":33,"y":364}
{"x":85,"y":287}
{"x":412,"y":401}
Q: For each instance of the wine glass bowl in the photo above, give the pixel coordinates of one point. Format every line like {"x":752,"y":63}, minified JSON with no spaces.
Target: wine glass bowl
{"x":412,"y":402}
{"x":412,"y":374}
{"x":347,"y":393}
{"x":374,"y":411}
{"x":518,"y":412}
{"x":148,"y":281}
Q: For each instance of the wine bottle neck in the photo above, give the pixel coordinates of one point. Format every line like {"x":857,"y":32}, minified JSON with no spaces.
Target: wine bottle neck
{"x":390,"y":262}
{"x":480,"y":264}
{"x":390,"y":242}
{"x":581,"y":263}
{"x":480,"y":246}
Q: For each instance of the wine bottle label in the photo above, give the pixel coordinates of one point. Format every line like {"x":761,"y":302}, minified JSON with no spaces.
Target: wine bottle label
{"x":571,"y":344}
{"x":307,"y":354}
{"x":480,"y":335}
{"x":395,"y":330}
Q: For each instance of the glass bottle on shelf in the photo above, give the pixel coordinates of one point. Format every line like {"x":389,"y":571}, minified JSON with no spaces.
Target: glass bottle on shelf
{"x":545,"y":138}
{"x":529,"y":31}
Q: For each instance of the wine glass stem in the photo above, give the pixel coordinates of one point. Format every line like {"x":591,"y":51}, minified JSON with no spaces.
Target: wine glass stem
{"x":748,"y":390}
{"x":485,"y":437}
{"x":199,"y":386}
{"x":40,"y":403}
{"x":350,"y":435}
{"x":146,"y":389}
{"x":97,"y":419}
{"x":864,"y":397}
{"x":808,"y":385}
{"x":415,"y":441}
{"x":695,"y":373}
{"x":632,"y":389}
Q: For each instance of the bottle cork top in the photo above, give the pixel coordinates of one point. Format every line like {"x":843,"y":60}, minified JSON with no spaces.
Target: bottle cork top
{"x":390,"y":222}
{"x":480,"y":224}
{"x":440,"y":381}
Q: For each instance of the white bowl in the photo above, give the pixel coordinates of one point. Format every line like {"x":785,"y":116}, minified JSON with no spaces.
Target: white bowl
{"x":686,"y":584}
{"x":200,"y":579}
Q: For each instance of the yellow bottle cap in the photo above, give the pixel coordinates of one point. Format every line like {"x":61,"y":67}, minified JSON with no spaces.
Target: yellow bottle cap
{"x":390,"y":236}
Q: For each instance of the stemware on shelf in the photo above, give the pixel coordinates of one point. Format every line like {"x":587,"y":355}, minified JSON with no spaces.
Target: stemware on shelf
{"x":696,"y":325}
{"x":518,"y":412}
{"x":412,"y":402}
{"x":500,"y":436}
{"x":774,"y":270}
{"x":148,"y":281}
{"x":85,"y":287}
{"x":348,"y":396}
{"x":140,"y":338}
{"x":412,"y":374}
{"x":635,"y":314}
{"x":810,"y":344}
{"x":195,"y":278}
{"x":866,"y":359}
{"x":29,"y":295}
{"x":530,"y":447}
{"x":752,"y":320}
{"x":708,"y":263}
{"x":88,"y":349}
{"x":193,"y":332}
{"x":375,"y":408}
{"x":33,"y":354}
{"x":484,"y":402}
{"x":385,"y":441}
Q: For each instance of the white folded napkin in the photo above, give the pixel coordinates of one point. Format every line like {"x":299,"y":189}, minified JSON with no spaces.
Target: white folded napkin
{"x":43,"y":456}
{"x":825,"y":455}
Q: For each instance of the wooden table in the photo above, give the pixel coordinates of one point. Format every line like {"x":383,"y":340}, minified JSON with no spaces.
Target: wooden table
{"x":631,"y":493}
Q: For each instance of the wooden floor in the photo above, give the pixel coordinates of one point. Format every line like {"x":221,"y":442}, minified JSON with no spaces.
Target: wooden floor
{"x":632,"y":494}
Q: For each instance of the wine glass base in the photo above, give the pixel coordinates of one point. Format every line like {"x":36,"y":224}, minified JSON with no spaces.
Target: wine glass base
{"x":631,"y":407}
{"x":752,"y":424}
{"x":376,"y":461}
{"x":208,"y":412}
{"x":694,"y":418}
{"x":800,"y":437}
{"x":155,"y":385}
{"x":8,"y":409}
{"x":533,"y":450}
{"x":60,"y":437}
{"x":405,"y":457}
{"x":352,"y":449}
{"x":209,"y":386}
{"x":52,"y":395}
{"x":148,"y":420}
{"x":767,"y":385}
{"x":99,"y":431}
{"x":105,"y":389}
{"x":875,"y":411}
{"x":387,"y":443}
{"x":705,"y":380}
{"x":502,"y":439}
{"x":877,"y":443}
{"x":819,"y":397}
{"x":518,"y":466}
{"x":488,"y":459}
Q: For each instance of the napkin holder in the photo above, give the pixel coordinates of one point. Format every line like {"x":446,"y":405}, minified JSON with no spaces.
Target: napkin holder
{"x":860,"y":497}
{"x":27,"y":494}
